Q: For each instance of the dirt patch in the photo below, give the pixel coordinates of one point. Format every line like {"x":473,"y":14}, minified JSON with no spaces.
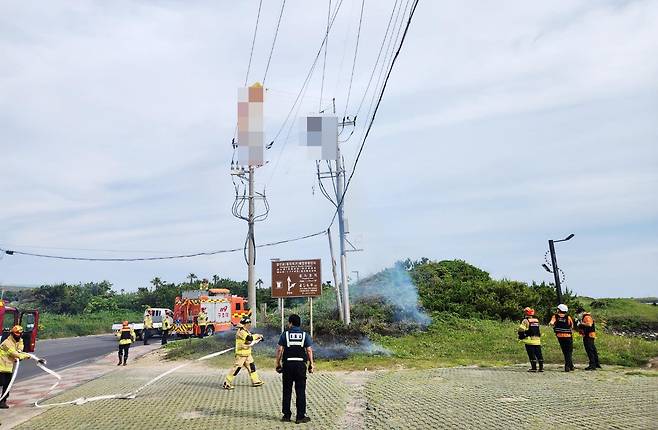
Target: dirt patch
{"x":354,"y":418}
{"x":653,"y":363}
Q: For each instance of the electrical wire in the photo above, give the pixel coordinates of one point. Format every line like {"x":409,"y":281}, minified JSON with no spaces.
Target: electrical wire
{"x":374,"y":114}
{"x":308,"y":75}
{"x":253,"y":43}
{"x":276,"y":33}
{"x":356,"y":50}
{"x":170,"y":257}
{"x":326,"y":48}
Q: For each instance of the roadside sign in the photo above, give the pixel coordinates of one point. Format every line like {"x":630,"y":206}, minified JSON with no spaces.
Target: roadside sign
{"x":296,"y":278}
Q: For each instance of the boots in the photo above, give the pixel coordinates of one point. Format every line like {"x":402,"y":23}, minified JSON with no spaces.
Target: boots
{"x":228,"y":382}
{"x":533,"y":366}
{"x":541,"y":366}
{"x":255,"y":379}
{"x":4,"y":405}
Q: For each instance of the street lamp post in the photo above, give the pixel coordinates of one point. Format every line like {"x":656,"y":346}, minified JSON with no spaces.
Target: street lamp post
{"x":556,"y":274}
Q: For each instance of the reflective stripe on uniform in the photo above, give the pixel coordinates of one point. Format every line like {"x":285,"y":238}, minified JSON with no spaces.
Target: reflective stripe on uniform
{"x":294,"y":359}
{"x":295,"y":339}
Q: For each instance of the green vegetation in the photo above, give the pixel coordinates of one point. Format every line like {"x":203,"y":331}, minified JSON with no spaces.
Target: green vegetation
{"x":448,"y":341}
{"x":624,"y":314}
{"x":91,"y":308}
{"x":62,"y":325}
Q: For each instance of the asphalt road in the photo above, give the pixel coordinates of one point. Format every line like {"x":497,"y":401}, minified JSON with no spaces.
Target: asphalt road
{"x":67,"y":352}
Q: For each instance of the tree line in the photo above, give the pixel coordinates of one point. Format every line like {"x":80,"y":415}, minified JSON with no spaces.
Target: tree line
{"x":91,"y":297}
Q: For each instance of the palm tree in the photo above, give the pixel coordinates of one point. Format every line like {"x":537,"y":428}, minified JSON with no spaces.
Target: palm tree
{"x":157,"y":282}
{"x":215,"y":280}
{"x":192,"y":277}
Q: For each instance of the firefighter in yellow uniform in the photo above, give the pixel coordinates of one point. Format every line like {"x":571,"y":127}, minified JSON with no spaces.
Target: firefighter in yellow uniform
{"x":126,"y":337}
{"x":202,"y":320}
{"x":529,"y":334}
{"x":148,"y":326}
{"x":243,"y":342}
{"x":10,"y":350}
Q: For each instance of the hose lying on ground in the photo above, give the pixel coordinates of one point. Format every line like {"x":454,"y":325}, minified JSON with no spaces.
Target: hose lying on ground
{"x":128,"y":396}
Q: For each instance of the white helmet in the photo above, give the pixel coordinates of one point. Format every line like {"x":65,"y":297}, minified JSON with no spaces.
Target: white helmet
{"x":562,"y":307}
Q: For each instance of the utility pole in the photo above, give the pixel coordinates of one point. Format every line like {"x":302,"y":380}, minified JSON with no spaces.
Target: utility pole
{"x":340,"y":190}
{"x":249,"y":148}
{"x":251,"y":286}
{"x":339,"y":301}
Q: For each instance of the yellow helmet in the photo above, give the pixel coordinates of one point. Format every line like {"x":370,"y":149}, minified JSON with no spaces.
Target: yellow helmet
{"x":17,"y":329}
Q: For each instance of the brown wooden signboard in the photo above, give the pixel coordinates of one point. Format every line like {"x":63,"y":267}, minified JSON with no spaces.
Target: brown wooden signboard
{"x":296,"y":278}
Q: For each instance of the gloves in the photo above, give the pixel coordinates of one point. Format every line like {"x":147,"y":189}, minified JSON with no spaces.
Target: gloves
{"x":279,"y":369}
{"x":311,"y":368}
{"x":41,"y":361}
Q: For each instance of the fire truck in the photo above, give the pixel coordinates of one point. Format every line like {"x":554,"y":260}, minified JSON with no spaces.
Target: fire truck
{"x":224,"y":310}
{"x":29,"y":319}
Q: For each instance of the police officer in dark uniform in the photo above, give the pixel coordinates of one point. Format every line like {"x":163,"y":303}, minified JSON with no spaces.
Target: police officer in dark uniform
{"x":295,"y":351}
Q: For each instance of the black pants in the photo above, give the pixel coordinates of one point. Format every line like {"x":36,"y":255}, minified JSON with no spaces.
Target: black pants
{"x":5,"y":377}
{"x":534,"y":354}
{"x":146,"y":334}
{"x":294,"y":372}
{"x":592,"y":353}
{"x":566,"y":345}
{"x":123,"y":352}
{"x":165,"y":333}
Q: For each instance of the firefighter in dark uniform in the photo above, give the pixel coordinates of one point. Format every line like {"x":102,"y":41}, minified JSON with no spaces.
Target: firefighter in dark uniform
{"x":292,"y":354}
{"x":529,"y":334}
{"x":587,"y":329}
{"x":563,"y":327}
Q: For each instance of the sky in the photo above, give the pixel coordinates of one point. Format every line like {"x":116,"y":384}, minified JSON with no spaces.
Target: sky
{"x":504,"y":124}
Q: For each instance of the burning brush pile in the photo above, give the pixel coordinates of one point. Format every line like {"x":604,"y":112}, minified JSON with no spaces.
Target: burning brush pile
{"x":384,"y":304}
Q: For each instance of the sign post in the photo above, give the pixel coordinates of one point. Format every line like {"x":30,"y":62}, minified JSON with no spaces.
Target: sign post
{"x":297,"y":278}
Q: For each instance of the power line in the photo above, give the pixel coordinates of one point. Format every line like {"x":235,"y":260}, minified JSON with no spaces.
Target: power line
{"x":308,"y":75}
{"x":253,"y":42}
{"x":276,"y":33}
{"x":326,"y":48}
{"x":170,"y":257}
{"x":374,"y":114}
{"x":356,"y":50}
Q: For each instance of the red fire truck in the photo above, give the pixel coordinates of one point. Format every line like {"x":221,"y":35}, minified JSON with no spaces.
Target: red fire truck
{"x":223,"y":309}
{"x":29,"y":319}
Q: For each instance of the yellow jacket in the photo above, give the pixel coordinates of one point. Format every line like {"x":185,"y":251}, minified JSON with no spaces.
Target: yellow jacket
{"x":148,"y":321}
{"x":10,"y":350}
{"x":528,"y":340}
{"x":126,"y":336}
{"x":202,"y":318}
{"x":243,"y":341}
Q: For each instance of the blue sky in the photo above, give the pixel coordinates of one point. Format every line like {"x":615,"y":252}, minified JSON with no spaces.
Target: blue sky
{"x":503,"y":125}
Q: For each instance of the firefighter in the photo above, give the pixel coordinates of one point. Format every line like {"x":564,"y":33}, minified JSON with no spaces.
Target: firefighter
{"x":243,"y":357}
{"x":196,"y":329}
{"x":10,"y":350}
{"x":148,"y":326}
{"x":202,"y":319}
{"x":126,"y":337}
{"x":295,"y":349}
{"x":166,"y":326}
{"x":587,"y":329}
{"x":563,"y":326}
{"x":529,"y":334}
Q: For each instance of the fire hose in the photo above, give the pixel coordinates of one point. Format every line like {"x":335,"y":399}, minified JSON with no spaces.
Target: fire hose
{"x":128,"y":396}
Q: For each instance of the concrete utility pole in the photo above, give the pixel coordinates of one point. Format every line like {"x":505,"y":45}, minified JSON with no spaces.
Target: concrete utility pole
{"x":251,"y":286}
{"x":340,"y":189}
{"x":339,"y":301}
